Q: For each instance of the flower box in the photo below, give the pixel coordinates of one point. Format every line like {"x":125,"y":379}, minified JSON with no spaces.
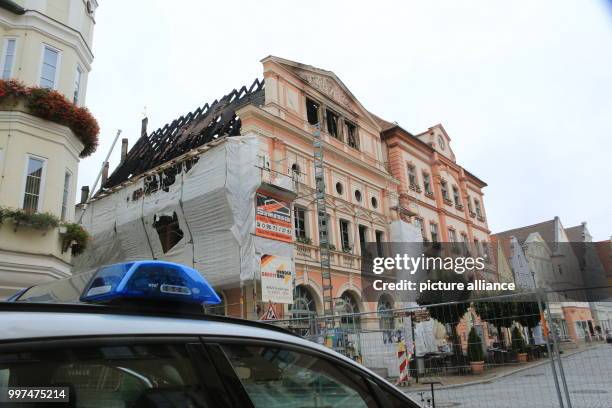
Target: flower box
{"x":52,"y":106}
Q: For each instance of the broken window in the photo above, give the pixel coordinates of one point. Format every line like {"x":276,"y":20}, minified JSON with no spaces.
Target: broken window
{"x":168,"y":231}
{"x":151,"y":184}
{"x":344,"y":235}
{"x":351,"y":135}
{"x":332,"y":124}
{"x":312,"y":111}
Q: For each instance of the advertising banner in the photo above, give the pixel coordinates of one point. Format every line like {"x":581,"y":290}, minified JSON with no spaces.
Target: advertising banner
{"x":276,"y":279}
{"x":273,"y":218}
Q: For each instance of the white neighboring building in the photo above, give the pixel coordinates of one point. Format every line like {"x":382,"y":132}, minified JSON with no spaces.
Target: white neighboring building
{"x":44,"y":43}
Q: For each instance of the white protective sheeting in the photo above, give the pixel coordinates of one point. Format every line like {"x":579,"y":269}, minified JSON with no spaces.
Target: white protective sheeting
{"x":214,"y":203}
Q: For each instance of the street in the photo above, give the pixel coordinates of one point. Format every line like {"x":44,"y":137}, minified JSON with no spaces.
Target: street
{"x":588,"y":374}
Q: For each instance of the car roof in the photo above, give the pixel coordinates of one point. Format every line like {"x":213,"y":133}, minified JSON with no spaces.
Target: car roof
{"x":44,"y":320}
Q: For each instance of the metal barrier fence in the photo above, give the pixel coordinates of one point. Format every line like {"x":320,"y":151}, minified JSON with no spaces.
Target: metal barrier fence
{"x":503,"y":351}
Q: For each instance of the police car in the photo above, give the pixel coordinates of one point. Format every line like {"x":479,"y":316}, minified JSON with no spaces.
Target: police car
{"x":134,"y":335}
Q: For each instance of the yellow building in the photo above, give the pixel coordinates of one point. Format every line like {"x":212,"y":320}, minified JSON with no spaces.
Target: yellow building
{"x":46,"y":44}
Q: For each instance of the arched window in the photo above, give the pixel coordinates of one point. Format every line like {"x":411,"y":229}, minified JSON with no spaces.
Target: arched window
{"x":304,"y":310}
{"x":385,"y":316}
{"x":348,"y":319}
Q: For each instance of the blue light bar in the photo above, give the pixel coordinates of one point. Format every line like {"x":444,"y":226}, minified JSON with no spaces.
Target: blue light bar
{"x":149,"y":280}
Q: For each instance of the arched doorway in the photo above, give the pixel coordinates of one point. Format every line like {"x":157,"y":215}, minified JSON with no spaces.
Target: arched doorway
{"x":385,"y":315}
{"x":349,"y":320}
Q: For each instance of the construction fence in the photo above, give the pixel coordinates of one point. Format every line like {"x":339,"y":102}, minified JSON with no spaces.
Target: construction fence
{"x":513,"y":350}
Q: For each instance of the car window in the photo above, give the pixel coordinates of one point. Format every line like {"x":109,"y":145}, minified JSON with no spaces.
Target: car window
{"x":278,"y":377}
{"x":126,"y":376}
{"x":393,"y":400}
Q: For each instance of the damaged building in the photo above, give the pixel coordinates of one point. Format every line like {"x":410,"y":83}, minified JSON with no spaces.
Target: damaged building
{"x":231,"y":189}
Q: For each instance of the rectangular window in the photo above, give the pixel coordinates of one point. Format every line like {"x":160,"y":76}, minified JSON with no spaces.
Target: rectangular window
{"x":418,"y":222}
{"x":466,"y":242}
{"x":427,"y":183}
{"x":312,"y":111}
{"x":332,"y":124}
{"x":477,"y":246}
{"x":77,"y":85}
{"x":380,"y":238}
{"x":344,"y":235}
{"x":351,"y":133}
{"x":49,"y":67}
{"x":444,"y":187}
{"x":478,"y":209}
{"x":456,"y":195}
{"x":452,"y":235}
{"x":65,"y":195}
{"x":299,"y":221}
{"x":412,"y":179}
{"x":433,"y":228}
{"x":33,"y":186}
{"x":8,"y":58}
{"x":485,"y":249}
{"x":363,"y":238}
{"x":469,"y":203}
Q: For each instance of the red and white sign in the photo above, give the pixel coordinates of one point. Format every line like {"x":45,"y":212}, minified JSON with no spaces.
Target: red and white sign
{"x":273,"y":218}
{"x":270,"y":313}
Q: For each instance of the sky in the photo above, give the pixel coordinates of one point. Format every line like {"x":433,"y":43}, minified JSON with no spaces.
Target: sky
{"x":524,"y":88}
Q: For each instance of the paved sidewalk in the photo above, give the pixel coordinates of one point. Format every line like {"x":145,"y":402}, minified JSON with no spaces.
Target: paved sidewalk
{"x":490,"y":374}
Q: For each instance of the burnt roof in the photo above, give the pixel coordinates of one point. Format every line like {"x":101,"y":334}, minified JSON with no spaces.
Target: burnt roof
{"x":192,"y":130}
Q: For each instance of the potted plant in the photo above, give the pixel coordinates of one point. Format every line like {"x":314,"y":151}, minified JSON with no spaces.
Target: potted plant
{"x":518,"y":345}
{"x":475,"y":353}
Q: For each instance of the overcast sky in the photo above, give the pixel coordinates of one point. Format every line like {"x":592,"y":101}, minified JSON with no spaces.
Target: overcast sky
{"x":524,"y":88}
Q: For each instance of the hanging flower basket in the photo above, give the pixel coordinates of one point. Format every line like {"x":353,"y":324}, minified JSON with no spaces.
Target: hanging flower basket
{"x":52,"y":106}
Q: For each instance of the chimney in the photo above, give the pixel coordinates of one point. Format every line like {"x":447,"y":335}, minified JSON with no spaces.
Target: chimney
{"x":124,"y":149}
{"x":104,"y":174}
{"x":143,"y":126}
{"x":84,"y":194}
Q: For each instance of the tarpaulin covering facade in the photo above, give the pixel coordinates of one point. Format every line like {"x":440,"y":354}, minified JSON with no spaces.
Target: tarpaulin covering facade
{"x":212,"y":196}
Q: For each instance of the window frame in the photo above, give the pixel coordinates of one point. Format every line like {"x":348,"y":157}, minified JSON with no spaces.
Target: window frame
{"x":411,"y":171}
{"x":427,"y":182}
{"x":302,"y":209}
{"x":355,"y":135}
{"x":43,"y":180}
{"x":456,"y":195}
{"x":308,"y":100}
{"x":348,"y":247}
{"x":329,"y":116}
{"x":433,"y":230}
{"x":477,"y":207}
{"x":444,"y":189}
{"x":44,"y":46}
{"x":4,"y":55}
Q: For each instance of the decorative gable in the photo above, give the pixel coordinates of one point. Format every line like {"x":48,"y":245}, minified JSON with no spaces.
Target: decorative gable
{"x":325,"y":85}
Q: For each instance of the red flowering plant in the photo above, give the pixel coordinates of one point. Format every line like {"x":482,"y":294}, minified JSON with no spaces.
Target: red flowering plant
{"x":53,"y":106}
